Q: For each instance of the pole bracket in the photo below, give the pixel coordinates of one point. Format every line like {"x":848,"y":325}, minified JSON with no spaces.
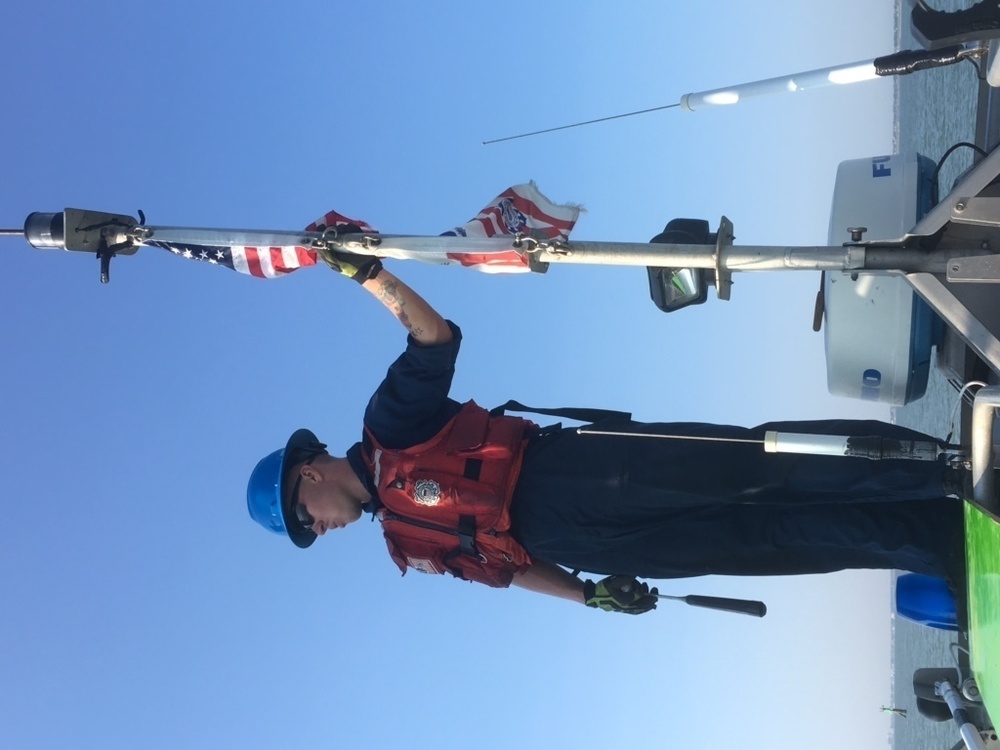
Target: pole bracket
{"x":723,"y":277}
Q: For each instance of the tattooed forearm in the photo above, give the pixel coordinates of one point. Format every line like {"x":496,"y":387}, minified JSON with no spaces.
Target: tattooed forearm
{"x":389,"y":295}
{"x":421,"y":320}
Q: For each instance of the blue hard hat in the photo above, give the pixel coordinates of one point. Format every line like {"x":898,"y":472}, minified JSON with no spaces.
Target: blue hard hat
{"x":266,"y":499}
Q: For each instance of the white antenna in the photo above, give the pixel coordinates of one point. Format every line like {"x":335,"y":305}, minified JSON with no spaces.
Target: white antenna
{"x":899,"y":63}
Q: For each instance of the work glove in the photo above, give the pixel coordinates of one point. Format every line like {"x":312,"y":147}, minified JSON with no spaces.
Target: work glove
{"x":620,"y":594}
{"x":353,"y":266}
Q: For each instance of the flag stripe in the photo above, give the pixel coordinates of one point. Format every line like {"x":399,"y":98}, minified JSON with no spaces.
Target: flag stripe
{"x":253,"y":261}
{"x":510,"y":261}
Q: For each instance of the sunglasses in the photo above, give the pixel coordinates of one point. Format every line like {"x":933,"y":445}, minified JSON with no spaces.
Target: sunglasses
{"x":299,"y":510}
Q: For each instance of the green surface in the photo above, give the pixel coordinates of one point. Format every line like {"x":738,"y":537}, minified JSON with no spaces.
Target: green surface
{"x":982,"y":551}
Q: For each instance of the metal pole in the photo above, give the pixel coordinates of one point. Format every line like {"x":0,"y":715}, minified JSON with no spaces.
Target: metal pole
{"x":735,"y":258}
{"x":229,"y":237}
{"x":872,"y":447}
{"x":663,"y":255}
{"x":983,"y":412}
{"x":721,"y":257}
{"x":661,"y":436}
{"x":968,"y":730}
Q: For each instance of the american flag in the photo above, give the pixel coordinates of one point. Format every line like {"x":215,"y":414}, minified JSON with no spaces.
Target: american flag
{"x":519,"y":209}
{"x":262,"y":262}
{"x":523,"y":209}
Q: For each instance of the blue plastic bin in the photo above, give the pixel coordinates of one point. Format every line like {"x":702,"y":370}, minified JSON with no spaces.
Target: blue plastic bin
{"x":926,"y":600}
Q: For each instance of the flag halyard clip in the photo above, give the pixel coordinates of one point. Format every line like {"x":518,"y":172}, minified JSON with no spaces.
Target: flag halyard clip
{"x":331,"y":239}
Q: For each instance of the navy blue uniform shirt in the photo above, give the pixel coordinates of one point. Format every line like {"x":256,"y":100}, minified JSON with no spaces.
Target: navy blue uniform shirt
{"x":412,"y":404}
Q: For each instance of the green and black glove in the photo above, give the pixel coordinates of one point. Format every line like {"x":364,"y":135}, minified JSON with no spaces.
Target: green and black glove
{"x":354,"y":266}
{"x":620,"y":594}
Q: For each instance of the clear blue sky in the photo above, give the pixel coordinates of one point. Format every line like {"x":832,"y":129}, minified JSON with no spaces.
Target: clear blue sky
{"x":143,"y":608}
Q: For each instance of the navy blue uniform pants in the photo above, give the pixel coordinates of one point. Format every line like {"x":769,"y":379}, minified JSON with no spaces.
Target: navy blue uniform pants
{"x":657,"y":508}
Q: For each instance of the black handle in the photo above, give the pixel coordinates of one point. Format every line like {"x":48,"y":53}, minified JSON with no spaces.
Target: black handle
{"x":740,"y":606}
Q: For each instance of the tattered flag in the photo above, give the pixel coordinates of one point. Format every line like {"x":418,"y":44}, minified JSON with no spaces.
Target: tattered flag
{"x":521,"y":209}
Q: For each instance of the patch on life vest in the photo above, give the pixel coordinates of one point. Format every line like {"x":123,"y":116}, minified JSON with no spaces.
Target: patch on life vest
{"x":427,"y":492}
{"x":423,"y":565}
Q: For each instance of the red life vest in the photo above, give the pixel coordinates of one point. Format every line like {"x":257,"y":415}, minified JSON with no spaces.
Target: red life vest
{"x":446,"y":501}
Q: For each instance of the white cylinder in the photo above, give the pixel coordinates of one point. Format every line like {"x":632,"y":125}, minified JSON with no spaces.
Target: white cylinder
{"x":837,"y":75}
{"x":816,"y":445}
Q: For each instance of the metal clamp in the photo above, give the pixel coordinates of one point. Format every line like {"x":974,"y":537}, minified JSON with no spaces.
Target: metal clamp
{"x":723,"y":277}
{"x":331,"y":239}
{"x":526,"y":243}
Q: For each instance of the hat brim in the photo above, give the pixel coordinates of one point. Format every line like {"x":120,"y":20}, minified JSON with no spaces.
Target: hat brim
{"x":300,"y":446}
